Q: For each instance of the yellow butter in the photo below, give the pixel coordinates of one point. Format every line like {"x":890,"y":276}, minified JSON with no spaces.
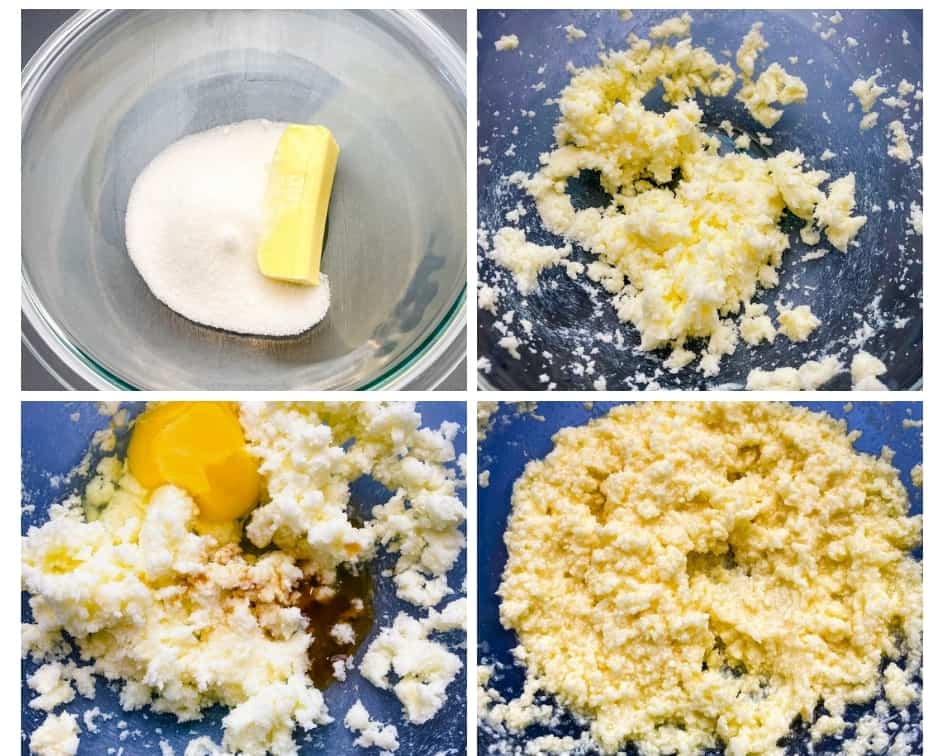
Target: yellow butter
{"x":297,"y":196}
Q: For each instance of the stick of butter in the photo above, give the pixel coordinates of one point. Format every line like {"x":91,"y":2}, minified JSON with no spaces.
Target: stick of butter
{"x":297,"y":195}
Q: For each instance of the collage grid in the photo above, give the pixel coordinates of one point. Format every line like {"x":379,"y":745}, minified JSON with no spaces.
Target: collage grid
{"x":447,"y":329}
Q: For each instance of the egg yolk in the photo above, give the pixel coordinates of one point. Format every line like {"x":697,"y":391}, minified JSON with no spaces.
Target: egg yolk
{"x":199,"y":447}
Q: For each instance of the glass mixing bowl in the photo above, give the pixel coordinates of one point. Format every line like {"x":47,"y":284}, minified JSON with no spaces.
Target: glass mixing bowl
{"x":111,"y":89}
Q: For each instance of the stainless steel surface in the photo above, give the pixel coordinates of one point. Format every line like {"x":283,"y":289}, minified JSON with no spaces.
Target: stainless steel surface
{"x":124,"y":85}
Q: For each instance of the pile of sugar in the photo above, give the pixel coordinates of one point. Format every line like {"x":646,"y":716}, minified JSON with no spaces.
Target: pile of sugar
{"x":195,"y":217}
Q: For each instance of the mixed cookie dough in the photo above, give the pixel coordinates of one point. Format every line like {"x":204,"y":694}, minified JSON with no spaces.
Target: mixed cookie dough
{"x":686,"y":575}
{"x":201,"y":570}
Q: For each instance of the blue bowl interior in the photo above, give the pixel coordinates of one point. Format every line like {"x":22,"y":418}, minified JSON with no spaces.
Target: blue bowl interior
{"x":53,"y":443}
{"x":519,"y":438}
{"x":839,"y":288}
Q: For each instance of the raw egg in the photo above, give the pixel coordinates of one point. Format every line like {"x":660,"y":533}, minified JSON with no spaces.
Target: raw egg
{"x":200,"y":448}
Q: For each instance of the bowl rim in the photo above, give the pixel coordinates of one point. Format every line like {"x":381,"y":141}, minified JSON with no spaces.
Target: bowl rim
{"x":69,"y":365}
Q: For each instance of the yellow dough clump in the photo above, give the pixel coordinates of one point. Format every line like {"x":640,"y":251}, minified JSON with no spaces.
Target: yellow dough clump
{"x":773,"y":85}
{"x":690,"y":234}
{"x":678,"y":26}
{"x":755,"y":325}
{"x":797,"y":322}
{"x":683,"y":574}
{"x":808,"y":377}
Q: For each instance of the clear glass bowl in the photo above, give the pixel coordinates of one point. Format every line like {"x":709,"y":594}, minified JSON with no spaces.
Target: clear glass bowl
{"x":111,"y":89}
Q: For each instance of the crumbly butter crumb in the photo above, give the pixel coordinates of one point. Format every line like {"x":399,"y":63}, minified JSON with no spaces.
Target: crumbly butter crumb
{"x":89,"y":717}
{"x":899,"y":147}
{"x":834,"y":213}
{"x":51,"y":684}
{"x":869,"y":121}
{"x":510,"y":344}
{"x":774,"y":84}
{"x":58,"y":735}
{"x":677,"y":26}
{"x":572,"y":33}
{"x":524,"y":259}
{"x":371,"y":734}
{"x":817,"y":254}
{"x":808,"y":377}
{"x":506,"y":42}
{"x":343,"y":633}
{"x":797,"y":323}
{"x":867,"y":91}
{"x":423,"y":668}
{"x":486,"y":298}
{"x":865,"y":369}
{"x":755,"y":325}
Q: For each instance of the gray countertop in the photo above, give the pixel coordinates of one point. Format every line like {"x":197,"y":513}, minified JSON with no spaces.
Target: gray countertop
{"x":36,"y":26}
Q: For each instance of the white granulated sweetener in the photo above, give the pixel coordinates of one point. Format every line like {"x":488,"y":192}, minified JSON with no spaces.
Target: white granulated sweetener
{"x":195,"y":217}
